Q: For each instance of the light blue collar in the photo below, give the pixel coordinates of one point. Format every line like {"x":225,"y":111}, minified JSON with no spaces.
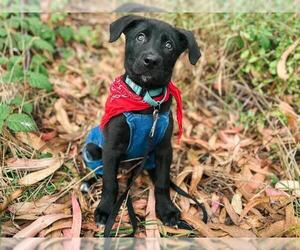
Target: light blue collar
{"x":147,"y":94}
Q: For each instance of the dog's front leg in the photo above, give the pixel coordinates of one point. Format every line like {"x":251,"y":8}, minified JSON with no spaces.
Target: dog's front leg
{"x":116,"y":137}
{"x":165,"y":209}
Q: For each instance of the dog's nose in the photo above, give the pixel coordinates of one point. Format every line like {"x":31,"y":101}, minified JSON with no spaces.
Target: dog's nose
{"x":152,"y":60}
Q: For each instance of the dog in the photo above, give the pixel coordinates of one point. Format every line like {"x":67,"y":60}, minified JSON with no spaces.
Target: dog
{"x":152,"y":48}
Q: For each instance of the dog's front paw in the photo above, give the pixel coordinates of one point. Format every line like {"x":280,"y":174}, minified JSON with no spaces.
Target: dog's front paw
{"x":168,"y":213}
{"x":101,"y":216}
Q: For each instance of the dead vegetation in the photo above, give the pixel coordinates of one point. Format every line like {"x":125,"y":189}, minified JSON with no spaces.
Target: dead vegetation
{"x":245,"y":171}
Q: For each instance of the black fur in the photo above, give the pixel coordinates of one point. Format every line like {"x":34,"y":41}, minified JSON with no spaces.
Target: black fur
{"x":152,"y":48}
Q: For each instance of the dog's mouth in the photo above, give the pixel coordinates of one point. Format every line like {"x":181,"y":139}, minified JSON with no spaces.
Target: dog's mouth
{"x":146,"y":78}
{"x":144,"y":75}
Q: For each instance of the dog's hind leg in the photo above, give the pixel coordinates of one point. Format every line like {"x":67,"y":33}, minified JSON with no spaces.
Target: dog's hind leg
{"x":95,"y":154}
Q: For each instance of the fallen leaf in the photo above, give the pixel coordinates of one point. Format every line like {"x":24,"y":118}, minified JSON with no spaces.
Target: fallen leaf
{"x":253,"y":203}
{"x":234,"y":231}
{"x":183,"y":201}
{"x":37,"y":208}
{"x":152,"y":230}
{"x":197,"y":170}
{"x":7,"y":200}
{"x":34,"y":141}
{"x":281,"y":66}
{"x":8,"y":228}
{"x":37,"y":176}
{"x":30,"y":164}
{"x":232,"y":214}
{"x":222,"y":216}
{"x":291,"y":115}
{"x":183,"y":174}
{"x":274,"y":192}
{"x":29,"y":244}
{"x":63,"y":118}
{"x":215,"y":203}
{"x":61,"y":224}
{"x":288,"y":185}
{"x":140,"y":204}
{"x":171,"y":230}
{"x":35,"y":227}
{"x":275,"y":229}
{"x":199,"y":225}
{"x":196,"y":142}
{"x":77,"y":217}
{"x":236,"y":203}
{"x":212,"y":143}
{"x":67,"y":233}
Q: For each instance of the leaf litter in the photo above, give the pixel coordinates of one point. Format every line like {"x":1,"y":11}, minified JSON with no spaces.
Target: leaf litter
{"x":222,"y":163}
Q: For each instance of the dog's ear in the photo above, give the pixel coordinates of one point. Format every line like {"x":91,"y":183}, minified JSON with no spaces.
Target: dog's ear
{"x":189,"y":42}
{"x":120,"y":25}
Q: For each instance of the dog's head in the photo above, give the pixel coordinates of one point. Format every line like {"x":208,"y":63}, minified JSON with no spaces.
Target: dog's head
{"x":152,"y":48}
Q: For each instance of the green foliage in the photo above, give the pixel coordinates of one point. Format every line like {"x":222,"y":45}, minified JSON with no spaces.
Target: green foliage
{"x":43,"y":45}
{"x":5,"y":110}
{"x":27,"y":47}
{"x":66,"y":33}
{"x":262,"y":41}
{"x":38,"y":80}
{"x":20,"y":122}
{"x":19,"y":102}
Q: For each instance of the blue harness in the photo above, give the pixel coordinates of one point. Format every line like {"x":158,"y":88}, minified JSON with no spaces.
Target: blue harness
{"x":140,"y":127}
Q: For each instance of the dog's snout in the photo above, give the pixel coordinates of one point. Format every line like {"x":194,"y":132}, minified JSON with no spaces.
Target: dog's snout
{"x":152,"y":60}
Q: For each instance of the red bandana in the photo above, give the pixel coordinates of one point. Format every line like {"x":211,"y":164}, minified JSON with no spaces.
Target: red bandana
{"x":121,"y":100}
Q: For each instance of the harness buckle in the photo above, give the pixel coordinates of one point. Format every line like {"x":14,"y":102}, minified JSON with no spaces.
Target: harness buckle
{"x":155,"y":119}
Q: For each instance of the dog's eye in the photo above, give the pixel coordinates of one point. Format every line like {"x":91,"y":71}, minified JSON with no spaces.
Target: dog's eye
{"x":169,"y":45}
{"x":141,"y":37}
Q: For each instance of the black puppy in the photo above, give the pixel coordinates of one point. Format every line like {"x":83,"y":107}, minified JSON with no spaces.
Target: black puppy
{"x":152,"y":48}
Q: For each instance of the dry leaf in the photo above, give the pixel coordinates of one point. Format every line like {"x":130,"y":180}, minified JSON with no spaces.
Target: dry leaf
{"x":199,"y":225}
{"x":63,"y":118}
{"x":37,"y":208}
{"x":222,"y":216}
{"x":61,"y":224}
{"x":183,"y":174}
{"x":291,"y":115}
{"x":184,"y":202}
{"x":37,"y":176}
{"x":30,"y":164}
{"x":276,"y":229}
{"x":77,"y":217}
{"x":35,"y":227}
{"x":29,"y":244}
{"x":212,"y":143}
{"x":151,"y":226}
{"x":236,"y":203}
{"x":287,"y":185}
{"x":7,"y":200}
{"x":197,"y":170}
{"x":67,"y":233}
{"x":274,"y":192}
{"x":234,"y":231}
{"x":34,"y":141}
{"x":232,"y":214}
{"x":171,"y":230}
{"x":215,"y":203}
{"x":253,"y":203}
{"x":281,"y":66}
